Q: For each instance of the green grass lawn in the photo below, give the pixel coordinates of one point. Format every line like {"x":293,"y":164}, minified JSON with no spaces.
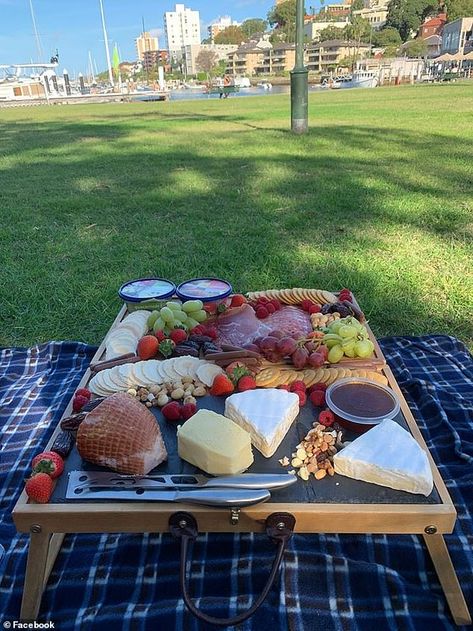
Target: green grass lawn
{"x":377,"y":197}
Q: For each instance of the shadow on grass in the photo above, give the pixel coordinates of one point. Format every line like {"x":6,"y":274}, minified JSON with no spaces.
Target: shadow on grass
{"x":98,"y":204}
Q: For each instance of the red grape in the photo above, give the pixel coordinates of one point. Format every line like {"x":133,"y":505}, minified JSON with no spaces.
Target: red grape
{"x":311,"y":346}
{"x":251,"y":347}
{"x":268,"y":343}
{"x":276,"y":333}
{"x":316,"y":360}
{"x":299,"y":358}
{"x":286,"y":346}
{"x":273,"y":357}
{"x":324,"y":350}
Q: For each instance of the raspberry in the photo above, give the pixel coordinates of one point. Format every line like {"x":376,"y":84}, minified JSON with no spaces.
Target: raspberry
{"x":262,"y":312}
{"x":285,"y":386}
{"x":178,"y":336}
{"x":160,"y":335}
{"x":298,"y":386}
{"x":187,"y":410}
{"x":302,"y":397}
{"x":314,"y":309}
{"x":270,"y":308}
{"x":83,"y":393}
{"x":198,"y":330}
{"x":263,"y":300}
{"x":317,"y":397}
{"x":306,"y":304}
{"x":79,"y":402}
{"x":318,"y":386}
{"x":326,"y":418}
{"x":277,"y":305}
{"x":172,"y":411}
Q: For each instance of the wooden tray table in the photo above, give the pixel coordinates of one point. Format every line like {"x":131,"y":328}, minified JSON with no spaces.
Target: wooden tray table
{"x":319,"y":507}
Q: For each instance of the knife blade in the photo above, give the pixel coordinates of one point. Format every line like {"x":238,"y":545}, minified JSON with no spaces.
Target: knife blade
{"x":207,"y":497}
{"x":105,"y":479}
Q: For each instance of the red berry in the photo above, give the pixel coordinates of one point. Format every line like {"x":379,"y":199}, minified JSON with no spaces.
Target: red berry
{"x":246,"y":383}
{"x":285,"y":386}
{"x":318,"y":398}
{"x":318,"y":386}
{"x":188,"y":410}
{"x":78,"y":403}
{"x":238,"y":300}
{"x":221,"y":385}
{"x":210,"y":308}
{"x":84,"y":392}
{"x":178,"y":336}
{"x":262,"y":312}
{"x":39,"y":488}
{"x":172,"y":411}
{"x":147,"y":347}
{"x":298,"y":385}
{"x":302,"y":397}
{"x":306,"y":304}
{"x":211,"y":331}
{"x":197,"y":330}
{"x":270,"y":308}
{"x":160,"y":335}
{"x":48,"y":462}
{"x":277,"y":305}
{"x":263,"y":300}
{"x":315,"y":309}
{"x":326,"y":418}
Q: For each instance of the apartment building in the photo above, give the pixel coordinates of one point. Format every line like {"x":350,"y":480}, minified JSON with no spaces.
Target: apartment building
{"x":191,"y":52}
{"x":456,"y":36}
{"x":313,"y":28}
{"x":323,"y":56}
{"x":220,"y":25}
{"x":145,"y":43}
{"x":182,"y":28}
{"x":376,"y":16}
{"x":277,"y":59}
{"x":247,"y":58}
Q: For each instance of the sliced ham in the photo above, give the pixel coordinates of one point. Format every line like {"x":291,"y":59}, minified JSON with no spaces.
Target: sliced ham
{"x":241,"y":326}
{"x":122,"y":434}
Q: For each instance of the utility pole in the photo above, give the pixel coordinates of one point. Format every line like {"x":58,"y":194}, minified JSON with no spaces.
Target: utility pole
{"x":299,"y":79}
{"x":107,"y":50}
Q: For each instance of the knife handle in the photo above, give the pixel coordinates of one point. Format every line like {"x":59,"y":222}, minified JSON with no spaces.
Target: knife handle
{"x":252,"y":481}
{"x":223,"y":497}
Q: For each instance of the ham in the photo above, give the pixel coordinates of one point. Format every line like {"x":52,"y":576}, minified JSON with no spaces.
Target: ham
{"x":122,"y":434}
{"x":241,"y":326}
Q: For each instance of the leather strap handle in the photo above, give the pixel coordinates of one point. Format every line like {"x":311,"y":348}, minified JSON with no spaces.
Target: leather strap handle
{"x":183,"y":526}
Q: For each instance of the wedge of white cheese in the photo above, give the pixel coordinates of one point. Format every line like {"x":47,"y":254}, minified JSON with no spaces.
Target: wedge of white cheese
{"x":266,"y":414}
{"x":387,"y":455}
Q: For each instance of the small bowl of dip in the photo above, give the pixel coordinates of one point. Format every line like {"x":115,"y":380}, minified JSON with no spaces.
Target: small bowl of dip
{"x":360,"y":404}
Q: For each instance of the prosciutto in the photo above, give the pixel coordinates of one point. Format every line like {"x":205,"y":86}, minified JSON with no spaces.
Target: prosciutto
{"x":122,"y":434}
{"x":241,"y":326}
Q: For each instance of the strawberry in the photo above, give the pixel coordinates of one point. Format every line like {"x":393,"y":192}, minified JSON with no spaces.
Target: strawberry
{"x":187,"y":410}
{"x":172,"y":411}
{"x":326,"y":418}
{"x":210,"y":308}
{"x":166,"y":347}
{"x":83,"y":392}
{"x":318,"y":386}
{"x":78,"y":402}
{"x":178,"y":336}
{"x":39,"y":488}
{"x":221,"y":307}
{"x":317,"y":397}
{"x":238,"y":300}
{"x":298,"y":386}
{"x":314,"y":309}
{"x":48,"y":462}
{"x":302,"y":397}
{"x":246,"y":383}
{"x":147,"y":347}
{"x":236,"y":370}
{"x":221,"y":385}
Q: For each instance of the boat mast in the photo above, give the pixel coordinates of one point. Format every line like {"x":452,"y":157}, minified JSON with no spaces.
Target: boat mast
{"x":36,"y":34}
{"x":107,"y":50}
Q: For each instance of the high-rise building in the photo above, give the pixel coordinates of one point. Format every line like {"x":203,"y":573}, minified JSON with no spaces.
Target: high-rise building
{"x":182,"y":29}
{"x":146,"y":43}
{"x":220,"y":25}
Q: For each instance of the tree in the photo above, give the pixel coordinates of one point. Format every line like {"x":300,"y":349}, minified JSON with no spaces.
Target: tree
{"x":283,"y":17}
{"x":458,"y":9}
{"x":415,"y":48}
{"x":252,"y":26}
{"x":388,"y":36}
{"x":230,"y":35}
{"x":407,"y":15}
{"x":331,"y":32}
{"x":359,"y":30}
{"x":206,"y":61}
{"x":357,"y":5}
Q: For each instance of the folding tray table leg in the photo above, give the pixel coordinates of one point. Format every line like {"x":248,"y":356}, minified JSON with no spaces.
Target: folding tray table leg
{"x":42,"y":552}
{"x":448,"y":579}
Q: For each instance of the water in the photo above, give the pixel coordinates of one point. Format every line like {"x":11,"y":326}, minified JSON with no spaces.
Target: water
{"x":186,"y":95}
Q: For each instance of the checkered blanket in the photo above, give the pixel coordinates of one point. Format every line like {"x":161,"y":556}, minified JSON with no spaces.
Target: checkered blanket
{"x":327,"y":582}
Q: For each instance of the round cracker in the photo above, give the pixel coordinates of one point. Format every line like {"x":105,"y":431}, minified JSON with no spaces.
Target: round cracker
{"x":208,"y":372}
{"x":186,"y":366}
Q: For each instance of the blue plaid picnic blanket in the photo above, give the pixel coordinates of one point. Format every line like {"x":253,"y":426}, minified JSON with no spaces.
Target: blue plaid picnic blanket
{"x":328,"y":582}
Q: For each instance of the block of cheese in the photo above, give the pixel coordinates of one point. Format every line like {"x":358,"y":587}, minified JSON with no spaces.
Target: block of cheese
{"x":387,"y":455}
{"x":214,"y":444}
{"x":266,"y":414}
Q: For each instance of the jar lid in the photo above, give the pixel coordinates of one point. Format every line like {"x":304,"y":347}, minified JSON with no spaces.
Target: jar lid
{"x":205,"y":289}
{"x":146,"y":289}
{"x":362,"y":401}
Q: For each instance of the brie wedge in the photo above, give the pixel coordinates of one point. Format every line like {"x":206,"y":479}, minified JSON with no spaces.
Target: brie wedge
{"x":266,"y":414}
{"x":387,"y":455}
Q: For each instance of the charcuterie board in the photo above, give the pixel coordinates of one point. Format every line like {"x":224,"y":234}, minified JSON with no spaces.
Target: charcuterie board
{"x":318,"y":505}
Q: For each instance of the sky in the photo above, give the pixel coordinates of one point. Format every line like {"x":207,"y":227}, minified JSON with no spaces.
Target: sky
{"x":74,"y":27}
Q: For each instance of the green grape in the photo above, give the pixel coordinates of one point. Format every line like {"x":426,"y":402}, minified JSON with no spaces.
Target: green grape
{"x":200,"y":315}
{"x":191,"y":323}
{"x":153,"y":316}
{"x":364,"y":348}
{"x":348,"y":347}
{"x":192,"y":305}
{"x":159,"y":325}
{"x":175,"y":306}
{"x":335,"y":354}
{"x":347,"y":331}
{"x":167,"y":314}
{"x":335,"y":326}
{"x":330,"y":340}
{"x":180,"y":315}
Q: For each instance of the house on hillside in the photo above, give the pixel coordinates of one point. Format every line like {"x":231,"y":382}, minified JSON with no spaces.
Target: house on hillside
{"x":433,"y":26}
{"x":326,"y":55}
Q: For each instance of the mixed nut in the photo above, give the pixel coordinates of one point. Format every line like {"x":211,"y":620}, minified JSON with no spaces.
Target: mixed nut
{"x":159,"y":395}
